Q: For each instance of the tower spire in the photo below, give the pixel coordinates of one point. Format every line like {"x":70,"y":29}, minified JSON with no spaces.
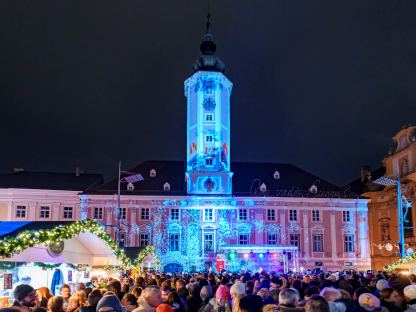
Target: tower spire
{"x":208,"y":61}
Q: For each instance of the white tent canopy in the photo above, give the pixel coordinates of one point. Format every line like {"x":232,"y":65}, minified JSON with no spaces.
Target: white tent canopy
{"x":84,"y":248}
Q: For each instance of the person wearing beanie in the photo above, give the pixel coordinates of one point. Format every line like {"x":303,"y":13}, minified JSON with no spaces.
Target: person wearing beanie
{"x":109,"y":303}
{"x":25,"y":297}
{"x":410,"y":294}
{"x":380,"y":285}
{"x":237,"y":291}
{"x":220,"y":302}
{"x":369,"y":302}
{"x":150,"y":298}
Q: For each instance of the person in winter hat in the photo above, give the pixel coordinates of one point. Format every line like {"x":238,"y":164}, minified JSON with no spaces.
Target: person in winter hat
{"x":410,"y":294}
{"x":109,"y":303}
{"x":150,"y":298}
{"x":25,"y":297}
{"x":369,"y":302}
{"x":237,"y":291}
{"x":220,"y":302}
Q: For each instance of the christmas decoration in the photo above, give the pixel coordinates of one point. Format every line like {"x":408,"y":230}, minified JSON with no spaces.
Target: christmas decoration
{"x":47,"y":266}
{"x":148,"y":250}
{"x":12,"y":245}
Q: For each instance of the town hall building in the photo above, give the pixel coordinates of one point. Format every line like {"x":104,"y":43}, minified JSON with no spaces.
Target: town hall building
{"x":211,"y":213}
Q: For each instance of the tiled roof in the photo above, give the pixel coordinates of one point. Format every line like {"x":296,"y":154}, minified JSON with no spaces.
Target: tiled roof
{"x":359,"y":187}
{"x":291,"y":182}
{"x":50,"y":180}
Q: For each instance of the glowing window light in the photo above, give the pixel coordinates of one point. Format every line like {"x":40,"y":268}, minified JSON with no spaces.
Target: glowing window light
{"x":261,"y":256}
{"x":245,"y":256}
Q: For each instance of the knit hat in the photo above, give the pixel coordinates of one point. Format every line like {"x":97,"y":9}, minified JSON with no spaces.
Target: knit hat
{"x":238,"y":289}
{"x":381,"y":284}
{"x":110,"y":301}
{"x":222,"y":292}
{"x":206,"y":292}
{"x":22,"y":291}
{"x":410,"y":292}
{"x":369,"y":302}
{"x":164,"y":308}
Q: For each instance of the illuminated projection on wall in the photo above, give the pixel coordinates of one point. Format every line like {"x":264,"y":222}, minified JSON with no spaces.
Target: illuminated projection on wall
{"x":208,"y":129}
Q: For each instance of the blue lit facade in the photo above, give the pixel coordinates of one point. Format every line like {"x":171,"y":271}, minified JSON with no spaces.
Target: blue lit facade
{"x":208,"y":133}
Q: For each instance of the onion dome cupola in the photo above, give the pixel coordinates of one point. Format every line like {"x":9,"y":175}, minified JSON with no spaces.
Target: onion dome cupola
{"x":208,"y":61}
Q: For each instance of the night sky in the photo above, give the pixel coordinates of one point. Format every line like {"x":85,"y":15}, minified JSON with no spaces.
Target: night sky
{"x":320,"y":84}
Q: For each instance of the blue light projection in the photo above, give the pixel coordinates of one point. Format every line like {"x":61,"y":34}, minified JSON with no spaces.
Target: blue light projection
{"x":208,"y":133}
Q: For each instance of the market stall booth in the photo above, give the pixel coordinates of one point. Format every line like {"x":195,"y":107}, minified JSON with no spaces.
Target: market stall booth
{"x":49,"y":254}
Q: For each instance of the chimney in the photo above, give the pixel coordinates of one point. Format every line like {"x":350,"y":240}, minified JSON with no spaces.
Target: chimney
{"x":365,"y":174}
{"x":77,"y":171}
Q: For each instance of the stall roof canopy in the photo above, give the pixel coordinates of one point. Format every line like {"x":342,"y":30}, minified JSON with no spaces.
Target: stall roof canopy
{"x":83,"y":248}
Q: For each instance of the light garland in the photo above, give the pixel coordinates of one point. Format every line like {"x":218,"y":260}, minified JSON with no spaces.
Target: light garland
{"x":405,"y":260}
{"x":12,"y":245}
{"x":148,"y":250}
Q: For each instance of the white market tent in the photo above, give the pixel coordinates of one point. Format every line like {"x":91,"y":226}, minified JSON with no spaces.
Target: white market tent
{"x":83,"y":248}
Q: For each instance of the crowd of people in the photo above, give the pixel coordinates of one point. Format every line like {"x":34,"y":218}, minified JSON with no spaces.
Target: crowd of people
{"x":210,"y":292}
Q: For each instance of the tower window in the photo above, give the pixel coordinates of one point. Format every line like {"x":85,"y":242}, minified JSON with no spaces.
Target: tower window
{"x":209,"y":117}
{"x":208,"y":86}
{"x":208,"y":161}
{"x":208,"y":138}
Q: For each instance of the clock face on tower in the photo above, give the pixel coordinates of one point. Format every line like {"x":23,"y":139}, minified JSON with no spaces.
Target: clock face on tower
{"x":209,"y":104}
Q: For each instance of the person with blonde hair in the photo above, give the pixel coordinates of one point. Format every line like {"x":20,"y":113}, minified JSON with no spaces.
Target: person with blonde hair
{"x":56,"y":304}
{"x":76,"y":301}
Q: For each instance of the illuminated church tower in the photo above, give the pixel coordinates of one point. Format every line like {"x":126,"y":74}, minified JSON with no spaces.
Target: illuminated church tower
{"x":208,"y":94}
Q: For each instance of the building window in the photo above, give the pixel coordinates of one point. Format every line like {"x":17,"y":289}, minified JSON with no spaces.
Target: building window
{"x":98,"y":213}
{"x":209,"y":215}
{"x":209,"y":117}
{"x":271,"y":239}
{"x":208,"y":86}
{"x":346,"y":216}
{"x":209,"y":241}
{"x":123,"y":213}
{"x":317,"y":240}
{"x":208,"y":138}
{"x":144,"y":240}
{"x":20,"y":211}
{"x":45,"y":212}
{"x":174,"y":214}
{"x":174,"y":242}
{"x":293,"y":215}
{"x":316,"y":215}
{"x":271,"y":215}
{"x":145,"y":213}
{"x":68,"y":213}
{"x":208,"y":161}
{"x":295,"y":240}
{"x":243,"y":239}
{"x":122,"y":239}
{"x":242,"y":214}
{"x":349,"y":243}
